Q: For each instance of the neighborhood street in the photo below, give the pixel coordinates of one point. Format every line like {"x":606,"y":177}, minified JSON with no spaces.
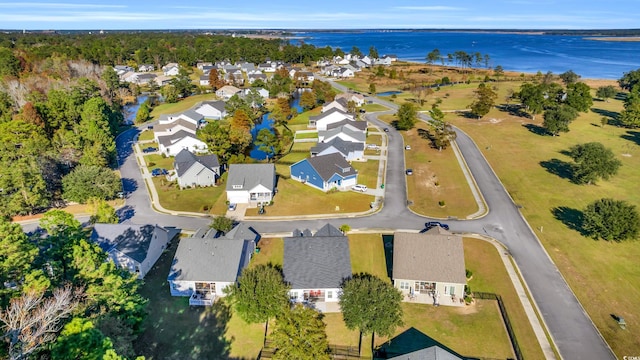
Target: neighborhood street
{"x":573,"y":332}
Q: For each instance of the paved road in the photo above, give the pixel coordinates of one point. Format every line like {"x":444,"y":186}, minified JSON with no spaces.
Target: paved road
{"x":571,"y":329}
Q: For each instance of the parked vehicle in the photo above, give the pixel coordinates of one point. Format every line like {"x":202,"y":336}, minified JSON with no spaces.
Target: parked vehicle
{"x":408,"y":147}
{"x":432,"y":224}
{"x":149,"y":149}
{"x":158,"y":172}
{"x":232,"y":207}
{"x":409,"y":171}
{"x":386,"y":129}
{"x":359,"y":187}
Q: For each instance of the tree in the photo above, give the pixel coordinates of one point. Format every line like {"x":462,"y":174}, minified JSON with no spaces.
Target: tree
{"x":308,"y":100}
{"x":532,"y":97}
{"x":433,"y":56}
{"x":216,"y":135}
{"x":569,"y":77}
{"x":443,"y":132}
{"x":579,"y":96}
{"x":111,"y":79}
{"x":267,"y":142}
{"x":407,"y":116}
{"x":32,"y":320}
{"x":629,"y":79}
{"x":144,"y":113}
{"x":7,"y":107}
{"x":355,"y":51}
{"x":24,"y":189}
{"x":222,"y":224}
{"x":498,"y":72}
{"x":281,"y":111}
{"x":592,"y":162}
{"x":485,"y":99}
{"x":9,"y":64}
{"x":182,"y":83}
{"x":300,"y":334}
{"x":260,"y":294}
{"x":102,"y":212}
{"x":373,"y":52}
{"x":611,"y":220}
{"x":372,"y":88}
{"x":79,"y":339}
{"x":606,"y":92}
{"x":86,"y":182}
{"x":214,"y":79}
{"x":557,"y":119}
{"x":169,"y":93}
{"x":96,"y":131}
{"x":630,"y":116}
{"x":236,"y":103}
{"x":17,"y":254}
{"x":241,"y":120}
{"x":371,"y":305}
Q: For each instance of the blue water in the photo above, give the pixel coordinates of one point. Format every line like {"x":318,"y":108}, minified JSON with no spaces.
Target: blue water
{"x":516,"y":52}
{"x":131,"y":110}
{"x":389,"y":93}
{"x":267,"y":123}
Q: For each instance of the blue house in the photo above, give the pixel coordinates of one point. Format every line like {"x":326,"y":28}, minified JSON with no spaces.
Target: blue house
{"x":325,"y":172}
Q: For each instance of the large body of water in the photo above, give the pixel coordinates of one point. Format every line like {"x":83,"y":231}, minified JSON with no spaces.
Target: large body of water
{"x":516,"y":52}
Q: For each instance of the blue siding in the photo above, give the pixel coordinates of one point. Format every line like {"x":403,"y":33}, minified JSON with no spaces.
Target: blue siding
{"x":303,"y":171}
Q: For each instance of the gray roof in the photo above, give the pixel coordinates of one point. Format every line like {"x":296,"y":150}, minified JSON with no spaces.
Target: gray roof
{"x":321,"y":261}
{"x":131,"y":240}
{"x":180,"y":121}
{"x":184,"y":160}
{"x":436,"y":255}
{"x":413,"y":344}
{"x":356,"y":134}
{"x":251,"y":175}
{"x":329,"y":112}
{"x":167,"y":140}
{"x":146,"y":76}
{"x":360,"y":125}
{"x":217,"y":104}
{"x":203,"y":257}
{"x":193,"y":114}
{"x":345,"y":147}
{"x":327,"y":165}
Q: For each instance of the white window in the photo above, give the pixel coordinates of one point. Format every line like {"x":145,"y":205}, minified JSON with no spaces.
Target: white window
{"x":293,"y":295}
{"x":329,"y":294}
{"x":237,"y":186}
{"x":404,"y":285}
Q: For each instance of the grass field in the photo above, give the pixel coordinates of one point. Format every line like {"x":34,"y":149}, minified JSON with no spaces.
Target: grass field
{"x":194,"y":199}
{"x":271,"y":252}
{"x":181,"y":105}
{"x":311,"y":135}
{"x":367,"y":255}
{"x":367,"y":172}
{"x":595,"y":270}
{"x":145,"y":135}
{"x":159,"y":162}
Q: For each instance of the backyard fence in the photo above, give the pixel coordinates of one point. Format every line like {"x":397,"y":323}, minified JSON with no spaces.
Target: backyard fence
{"x":505,"y":318}
{"x":338,"y":352}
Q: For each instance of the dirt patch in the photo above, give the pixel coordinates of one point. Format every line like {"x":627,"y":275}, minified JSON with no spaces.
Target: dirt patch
{"x":495,"y":121}
{"x":468,"y":309}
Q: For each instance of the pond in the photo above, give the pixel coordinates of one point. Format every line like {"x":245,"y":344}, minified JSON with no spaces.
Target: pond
{"x":129,"y":111}
{"x":267,"y":123}
{"x":389,"y":93}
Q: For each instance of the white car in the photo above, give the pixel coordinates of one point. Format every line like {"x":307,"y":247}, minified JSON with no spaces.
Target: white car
{"x":359,"y":187}
{"x":408,"y":147}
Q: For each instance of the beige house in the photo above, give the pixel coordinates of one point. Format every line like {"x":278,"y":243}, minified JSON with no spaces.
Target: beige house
{"x":429,"y":268}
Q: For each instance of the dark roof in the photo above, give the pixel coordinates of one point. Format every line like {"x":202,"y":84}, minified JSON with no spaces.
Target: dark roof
{"x":250,"y":176}
{"x":413,"y":344}
{"x":329,"y":112}
{"x":168,"y":140}
{"x":131,"y":240}
{"x":360,"y":125}
{"x":146,"y":76}
{"x":184,"y":160}
{"x":345,"y":147}
{"x":443,"y":250}
{"x":203,"y":257}
{"x":179,"y":121}
{"x":218,"y":104}
{"x":321,"y":261}
{"x":342,"y":101}
{"x":327,"y":165}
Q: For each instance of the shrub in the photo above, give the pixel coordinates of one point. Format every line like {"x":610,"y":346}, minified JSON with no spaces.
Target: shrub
{"x":441,"y":203}
{"x":152,"y":164}
{"x":468,"y":273}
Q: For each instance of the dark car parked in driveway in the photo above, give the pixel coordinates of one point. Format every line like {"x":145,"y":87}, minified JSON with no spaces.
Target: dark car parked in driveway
{"x":432,"y":224}
{"x":149,"y":149}
{"x":158,"y":172}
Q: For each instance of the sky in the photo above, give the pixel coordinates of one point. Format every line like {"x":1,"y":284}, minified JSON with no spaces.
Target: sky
{"x":323,"y":14}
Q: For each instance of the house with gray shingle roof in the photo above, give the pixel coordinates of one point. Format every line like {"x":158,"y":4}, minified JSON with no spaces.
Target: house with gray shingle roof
{"x":349,"y":150}
{"x":211,"y":109}
{"x":207,"y":262}
{"x":315,"y":267}
{"x":325,"y":172}
{"x":429,"y":267}
{"x":172,"y":144}
{"x":414,"y":344}
{"x":251,"y":184}
{"x":330,"y":116}
{"x":192,"y":170}
{"x":133,"y":247}
{"x":344,"y":132}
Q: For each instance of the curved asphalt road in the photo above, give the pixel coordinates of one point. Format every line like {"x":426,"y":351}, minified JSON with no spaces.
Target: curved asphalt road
{"x":573,"y":332}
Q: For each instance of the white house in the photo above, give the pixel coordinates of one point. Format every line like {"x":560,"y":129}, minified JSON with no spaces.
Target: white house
{"x":180,"y":124}
{"x":171,"y":71}
{"x":335,"y":104}
{"x":172,"y":144}
{"x":146,"y":68}
{"x":211,"y":109}
{"x":189,"y":115}
{"x":192,"y":170}
{"x":316,"y":265}
{"x":204,"y":80}
{"x":344,"y":132}
{"x":358,"y":99}
{"x":251,"y":184}
{"x":133,"y":247}
{"x":331,"y":116}
{"x":226,"y":92}
{"x":264,"y":93}
{"x":203,"y":265}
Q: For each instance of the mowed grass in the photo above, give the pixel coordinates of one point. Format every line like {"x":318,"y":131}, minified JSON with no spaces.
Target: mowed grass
{"x":367,"y":255}
{"x":310,"y":135}
{"x":158,"y":161}
{"x":489,"y":275}
{"x":182,"y":105}
{"x":367,"y":172}
{"x":374,"y":107}
{"x":146,"y":135}
{"x":192,"y":200}
{"x":603,"y":275}
{"x":271,"y":252}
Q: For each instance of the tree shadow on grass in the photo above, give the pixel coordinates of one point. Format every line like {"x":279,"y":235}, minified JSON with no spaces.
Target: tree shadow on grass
{"x":514,"y":110}
{"x":536,"y":129}
{"x":387,"y":241}
{"x":613,"y":118}
{"x":572,"y":218}
{"x":559,"y":168}
{"x":632,"y":135}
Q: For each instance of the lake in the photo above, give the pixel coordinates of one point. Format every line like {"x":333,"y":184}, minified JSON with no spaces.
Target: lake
{"x":528,"y":53}
{"x":267,"y":123}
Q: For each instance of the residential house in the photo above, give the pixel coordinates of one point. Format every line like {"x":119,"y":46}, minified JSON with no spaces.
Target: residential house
{"x":133,"y":247}
{"x":189,"y":115}
{"x":204,"y":80}
{"x":358,"y":99}
{"x":145,"y":79}
{"x":344,"y":73}
{"x":383,"y":61}
{"x":339,"y":103}
{"x":211,"y":109}
{"x":264,"y":93}
{"x":226,"y":92}
{"x":351,"y":151}
{"x":171,"y":69}
{"x":267,"y":67}
{"x":201,"y":65}
{"x":247,"y":67}
{"x":347,"y":130}
{"x":414,"y":344}
{"x":235,"y":78}
{"x":179,"y":124}
{"x":315,"y":267}
{"x":251,"y":184}
{"x":256,"y":76}
{"x":305,"y":77}
{"x":325,"y":172}
{"x":331,"y":116}
{"x":163,"y":80}
{"x":391,"y":57}
{"x":122,"y":69}
{"x":171,"y":145}
{"x":129,"y":77}
{"x":429,"y":267}
{"x":192,"y":170}
{"x":146,"y":68}
{"x":204,"y":265}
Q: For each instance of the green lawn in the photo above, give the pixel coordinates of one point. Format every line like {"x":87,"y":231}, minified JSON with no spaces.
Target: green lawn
{"x":375,"y":107}
{"x":367,"y":172}
{"x":293,"y":157}
{"x":271,"y":252}
{"x":595,"y":270}
{"x":367,"y":255}
{"x":182,"y":105}
{"x":145,"y":135}
{"x":311,"y":135}
{"x":303,"y":147}
{"x":374,"y":139}
{"x":301,"y":122}
{"x":194,"y":200}
{"x":159,"y":162}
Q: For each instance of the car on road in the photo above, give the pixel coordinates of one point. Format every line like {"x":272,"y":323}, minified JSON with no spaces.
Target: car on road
{"x":386,"y":129}
{"x":409,"y":172}
{"x":363,"y":111}
{"x":359,"y":187}
{"x":432,"y":224}
{"x":232,"y":207}
{"x":149,"y":149}
{"x":408,"y":147}
{"x":158,"y":172}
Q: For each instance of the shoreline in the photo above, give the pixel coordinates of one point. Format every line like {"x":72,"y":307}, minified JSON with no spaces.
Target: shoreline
{"x":615,"y":38}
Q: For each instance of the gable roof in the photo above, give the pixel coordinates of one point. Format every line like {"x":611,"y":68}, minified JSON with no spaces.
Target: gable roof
{"x":179,"y":121}
{"x":360,"y":125}
{"x":432,"y":256}
{"x":345,"y":147}
{"x":217,"y":104}
{"x":131,"y":240}
{"x":209,"y":259}
{"x":329,"y":112}
{"x":184,"y":160}
{"x":328,"y":165}
{"x":250,"y":176}
{"x":355,"y":134}
{"x":320,"y":261}
{"x":168,"y":140}
{"x":413,"y":344}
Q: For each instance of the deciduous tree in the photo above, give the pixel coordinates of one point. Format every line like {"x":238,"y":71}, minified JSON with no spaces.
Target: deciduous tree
{"x":300,"y":334}
{"x":611,"y":220}
{"x":592,"y":162}
{"x":557,"y":119}
{"x":579,"y":96}
{"x":606,"y":92}
{"x":102,"y":212}
{"x":86,"y":182}
{"x":222,"y":223}
{"x":630,"y":116}
{"x":630,"y":79}
{"x":569,"y":77}
{"x":267,"y":142}
{"x":407,"y":116}
{"x":485,"y":99}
